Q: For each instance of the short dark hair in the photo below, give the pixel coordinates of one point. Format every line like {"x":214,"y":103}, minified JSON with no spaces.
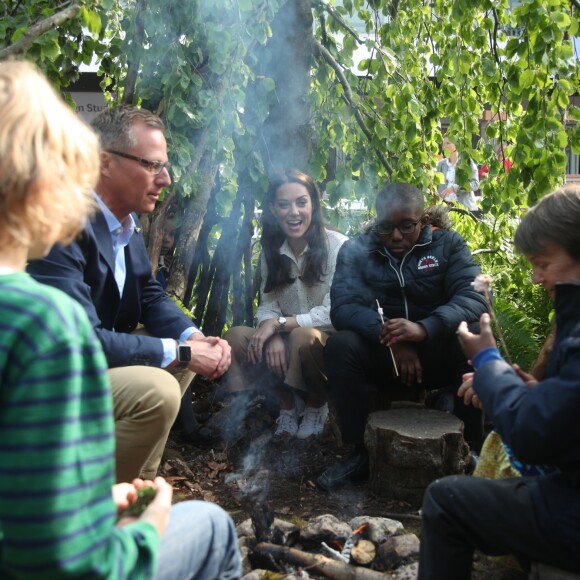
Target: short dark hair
{"x":273,"y":237}
{"x":555,"y":219}
{"x":404,"y":193}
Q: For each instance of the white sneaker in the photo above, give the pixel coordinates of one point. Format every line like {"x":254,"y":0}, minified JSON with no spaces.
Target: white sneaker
{"x":287,"y":423}
{"x":299,"y":404}
{"x":313,"y":421}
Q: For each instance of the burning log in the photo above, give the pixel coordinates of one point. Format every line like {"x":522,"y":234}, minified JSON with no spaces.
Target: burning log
{"x":255,"y":493}
{"x":317,"y":563}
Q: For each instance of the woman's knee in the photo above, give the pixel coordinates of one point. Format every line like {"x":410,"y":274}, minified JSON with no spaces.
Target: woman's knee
{"x":304,"y":335}
{"x":238,"y":337}
{"x":238,"y":334}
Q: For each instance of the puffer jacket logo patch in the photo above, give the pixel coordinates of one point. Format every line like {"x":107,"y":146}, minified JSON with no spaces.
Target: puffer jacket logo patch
{"x":428,"y":263}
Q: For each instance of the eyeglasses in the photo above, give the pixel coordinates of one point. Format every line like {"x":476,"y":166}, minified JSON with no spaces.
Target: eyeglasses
{"x":154,"y":167}
{"x":406,"y":227}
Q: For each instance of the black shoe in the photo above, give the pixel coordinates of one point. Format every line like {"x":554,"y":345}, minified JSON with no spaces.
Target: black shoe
{"x":201,"y":436}
{"x":472,"y":463}
{"x":353,"y":468}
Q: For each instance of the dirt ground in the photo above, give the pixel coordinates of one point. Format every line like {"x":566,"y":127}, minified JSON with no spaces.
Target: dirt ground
{"x":284,"y":472}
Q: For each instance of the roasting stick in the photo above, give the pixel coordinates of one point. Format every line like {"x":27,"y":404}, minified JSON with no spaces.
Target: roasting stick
{"x":380,"y":311}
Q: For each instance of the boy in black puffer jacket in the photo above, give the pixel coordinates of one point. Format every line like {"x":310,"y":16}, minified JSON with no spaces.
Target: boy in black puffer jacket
{"x":421,"y":276}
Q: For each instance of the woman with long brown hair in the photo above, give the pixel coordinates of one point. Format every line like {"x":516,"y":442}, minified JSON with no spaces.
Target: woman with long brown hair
{"x":293,"y":319}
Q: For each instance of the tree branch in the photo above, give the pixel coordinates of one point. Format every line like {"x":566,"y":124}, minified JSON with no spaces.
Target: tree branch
{"x":38,"y":29}
{"x":485,"y":251}
{"x":340,"y":21}
{"x":133,"y":63}
{"x":325,"y":54}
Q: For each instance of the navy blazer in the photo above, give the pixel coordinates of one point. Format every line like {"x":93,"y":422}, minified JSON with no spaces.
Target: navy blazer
{"x":85,"y":270}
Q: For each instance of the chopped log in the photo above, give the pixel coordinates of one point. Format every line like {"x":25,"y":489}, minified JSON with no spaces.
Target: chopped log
{"x":409,"y":448}
{"x":363,"y":553}
{"x":317,"y":563}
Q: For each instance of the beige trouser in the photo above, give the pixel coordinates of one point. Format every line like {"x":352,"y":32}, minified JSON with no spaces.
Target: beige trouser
{"x":304,"y":348}
{"x":145,"y":402}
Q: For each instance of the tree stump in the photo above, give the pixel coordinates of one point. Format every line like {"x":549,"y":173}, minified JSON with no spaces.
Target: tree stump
{"x":411,"y":447}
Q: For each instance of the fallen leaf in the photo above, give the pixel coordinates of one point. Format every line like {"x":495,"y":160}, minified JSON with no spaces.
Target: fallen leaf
{"x":174,"y":478}
{"x":217,"y":466}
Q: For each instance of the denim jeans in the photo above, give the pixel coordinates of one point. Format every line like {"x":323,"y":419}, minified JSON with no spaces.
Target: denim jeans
{"x":199,"y":542}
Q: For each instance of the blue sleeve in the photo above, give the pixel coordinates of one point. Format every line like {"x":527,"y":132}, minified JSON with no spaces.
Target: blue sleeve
{"x":485,"y":355}
{"x":539,"y":423}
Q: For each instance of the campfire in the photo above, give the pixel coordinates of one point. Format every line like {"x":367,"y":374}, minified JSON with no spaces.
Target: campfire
{"x":364,"y":548}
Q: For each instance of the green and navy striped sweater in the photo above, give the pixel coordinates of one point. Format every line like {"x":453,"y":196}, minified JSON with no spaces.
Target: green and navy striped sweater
{"x":57,"y":516}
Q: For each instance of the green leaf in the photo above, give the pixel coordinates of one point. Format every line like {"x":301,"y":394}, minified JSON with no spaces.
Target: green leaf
{"x":526,"y":79}
{"x":574,"y":113}
{"x":561,"y":19}
{"x":91,"y":20}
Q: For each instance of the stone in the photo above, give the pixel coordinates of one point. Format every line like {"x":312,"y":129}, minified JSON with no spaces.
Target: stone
{"x":285,"y":532}
{"x":379,"y":528}
{"x":325,"y":528}
{"x":399,"y":550}
{"x":408,"y":572}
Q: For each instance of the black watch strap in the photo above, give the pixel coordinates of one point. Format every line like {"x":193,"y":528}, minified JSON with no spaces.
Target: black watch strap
{"x":183,"y":354}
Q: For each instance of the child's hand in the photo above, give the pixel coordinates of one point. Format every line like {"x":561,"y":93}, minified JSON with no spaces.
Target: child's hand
{"x":473,"y":343}
{"x":157,"y":512}
{"x":467,"y":392}
{"x":396,"y":329}
{"x":124,"y":494}
{"x":529,"y":379}
{"x":132,"y":498}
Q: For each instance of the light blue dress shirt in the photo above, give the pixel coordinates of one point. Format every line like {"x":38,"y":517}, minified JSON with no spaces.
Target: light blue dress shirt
{"x":120,"y":235}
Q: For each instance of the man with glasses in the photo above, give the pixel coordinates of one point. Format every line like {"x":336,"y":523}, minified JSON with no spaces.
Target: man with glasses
{"x":107,"y":270}
{"x":417,"y":278}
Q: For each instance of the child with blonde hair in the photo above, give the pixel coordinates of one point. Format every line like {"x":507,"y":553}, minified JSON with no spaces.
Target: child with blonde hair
{"x":58,"y":516}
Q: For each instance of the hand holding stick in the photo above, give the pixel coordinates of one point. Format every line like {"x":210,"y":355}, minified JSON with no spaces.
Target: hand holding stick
{"x":380,"y":311}
{"x":482,"y":283}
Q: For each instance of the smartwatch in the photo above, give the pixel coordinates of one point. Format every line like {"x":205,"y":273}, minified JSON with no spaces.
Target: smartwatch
{"x":281,"y":320}
{"x":183,"y":354}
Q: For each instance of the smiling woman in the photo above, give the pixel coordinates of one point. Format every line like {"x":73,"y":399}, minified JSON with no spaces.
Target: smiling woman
{"x":284,"y":353}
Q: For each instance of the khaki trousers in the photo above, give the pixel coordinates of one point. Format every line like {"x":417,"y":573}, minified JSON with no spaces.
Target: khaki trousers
{"x":145,"y":403}
{"x":304,"y":348}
